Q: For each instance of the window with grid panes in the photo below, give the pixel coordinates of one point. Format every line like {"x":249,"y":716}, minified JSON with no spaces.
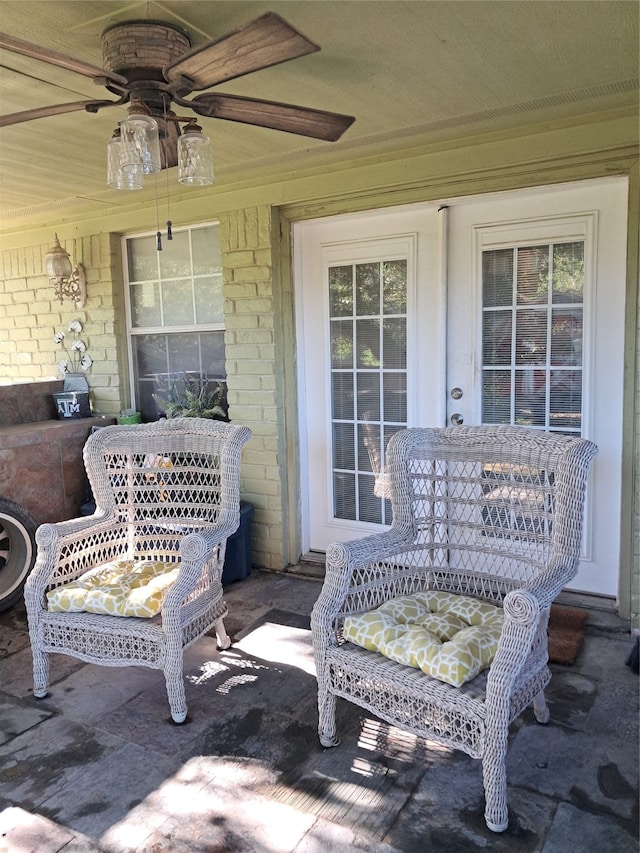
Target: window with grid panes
{"x":175,"y":313}
{"x":532,"y":329}
{"x":368,"y":330}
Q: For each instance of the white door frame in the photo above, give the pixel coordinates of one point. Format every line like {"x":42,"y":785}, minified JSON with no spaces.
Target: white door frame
{"x":609,"y":264}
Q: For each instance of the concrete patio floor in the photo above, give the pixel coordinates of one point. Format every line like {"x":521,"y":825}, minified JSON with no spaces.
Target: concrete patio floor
{"x":97,"y":765}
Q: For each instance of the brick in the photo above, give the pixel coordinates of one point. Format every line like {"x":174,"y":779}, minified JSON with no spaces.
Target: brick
{"x":253,"y":274}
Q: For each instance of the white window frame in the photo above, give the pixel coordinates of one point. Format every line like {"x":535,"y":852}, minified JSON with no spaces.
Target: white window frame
{"x":132,"y":331}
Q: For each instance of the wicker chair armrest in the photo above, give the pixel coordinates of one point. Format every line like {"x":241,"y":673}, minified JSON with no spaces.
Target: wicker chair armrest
{"x":343,"y":560}
{"x":93,"y":531}
{"x":195,"y":550}
{"x":549,"y":584}
{"x":52,"y":535}
{"x":522,"y":613}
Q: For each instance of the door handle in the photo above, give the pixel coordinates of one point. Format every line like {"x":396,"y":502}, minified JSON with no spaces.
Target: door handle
{"x":456,"y":419}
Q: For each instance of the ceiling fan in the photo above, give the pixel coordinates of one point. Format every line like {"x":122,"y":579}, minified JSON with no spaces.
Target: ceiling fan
{"x":153,"y":62}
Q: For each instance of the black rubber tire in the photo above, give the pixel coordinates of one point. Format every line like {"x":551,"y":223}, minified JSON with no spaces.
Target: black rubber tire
{"x":17,"y":551}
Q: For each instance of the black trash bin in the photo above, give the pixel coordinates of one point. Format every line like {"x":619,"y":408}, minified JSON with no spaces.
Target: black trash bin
{"x":237,"y":561}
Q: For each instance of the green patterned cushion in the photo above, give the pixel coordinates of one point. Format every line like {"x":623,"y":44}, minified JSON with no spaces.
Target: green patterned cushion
{"x":449,"y":637}
{"x":121,"y":588}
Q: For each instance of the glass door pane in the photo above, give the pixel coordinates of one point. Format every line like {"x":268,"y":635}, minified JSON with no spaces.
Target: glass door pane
{"x":368,"y":337}
{"x":532,"y":329}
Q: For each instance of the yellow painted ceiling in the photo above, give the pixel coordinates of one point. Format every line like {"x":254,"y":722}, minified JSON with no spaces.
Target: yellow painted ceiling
{"x":412,"y":73}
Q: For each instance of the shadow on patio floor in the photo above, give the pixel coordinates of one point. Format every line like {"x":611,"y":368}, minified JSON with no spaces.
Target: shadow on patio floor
{"x":97,"y":765}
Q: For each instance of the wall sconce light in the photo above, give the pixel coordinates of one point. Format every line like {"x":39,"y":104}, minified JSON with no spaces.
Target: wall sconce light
{"x":67,"y":280}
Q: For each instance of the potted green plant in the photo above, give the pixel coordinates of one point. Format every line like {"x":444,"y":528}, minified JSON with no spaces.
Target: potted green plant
{"x":194,"y":396}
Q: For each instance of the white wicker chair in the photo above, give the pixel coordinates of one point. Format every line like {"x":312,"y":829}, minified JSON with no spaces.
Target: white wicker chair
{"x":180,"y":514}
{"x":491,"y":512}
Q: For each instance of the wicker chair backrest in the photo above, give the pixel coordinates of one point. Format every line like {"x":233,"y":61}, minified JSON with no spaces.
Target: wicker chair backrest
{"x":169,"y":471}
{"x":483,"y":500}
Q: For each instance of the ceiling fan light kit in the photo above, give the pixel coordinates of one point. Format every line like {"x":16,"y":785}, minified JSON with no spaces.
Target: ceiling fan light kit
{"x":140,"y":140}
{"x":195,"y":162}
{"x":117,"y":178}
{"x":151,"y":65}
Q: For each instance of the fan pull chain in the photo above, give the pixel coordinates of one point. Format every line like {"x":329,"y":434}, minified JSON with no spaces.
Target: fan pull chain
{"x":166,"y":171}
{"x":158,"y":234}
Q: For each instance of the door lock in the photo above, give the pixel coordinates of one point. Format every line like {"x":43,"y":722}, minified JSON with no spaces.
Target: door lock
{"x":456,"y":393}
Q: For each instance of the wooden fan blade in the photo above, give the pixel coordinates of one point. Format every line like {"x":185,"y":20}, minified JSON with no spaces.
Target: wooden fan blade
{"x":286,"y":117}
{"x":53,"y":110}
{"x":266,"y":41}
{"x":34,"y":51}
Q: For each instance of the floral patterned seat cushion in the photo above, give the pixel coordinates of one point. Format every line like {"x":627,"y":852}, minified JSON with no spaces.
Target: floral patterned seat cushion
{"x":449,"y":637}
{"x":121,"y":588}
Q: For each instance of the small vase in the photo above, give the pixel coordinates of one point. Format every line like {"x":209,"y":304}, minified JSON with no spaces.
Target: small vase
{"x":75,"y":382}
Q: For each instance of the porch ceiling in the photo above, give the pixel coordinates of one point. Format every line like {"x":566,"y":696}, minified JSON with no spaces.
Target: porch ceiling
{"x":410,"y":72}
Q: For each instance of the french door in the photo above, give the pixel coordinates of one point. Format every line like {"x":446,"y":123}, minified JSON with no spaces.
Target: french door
{"x":504,"y":308}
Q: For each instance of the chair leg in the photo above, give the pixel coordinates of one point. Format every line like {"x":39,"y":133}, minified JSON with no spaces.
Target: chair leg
{"x":494,"y":772}
{"x":327,"y":718}
{"x":224,"y":640}
{"x":540,"y":709}
{"x":174,"y":679}
{"x":40,"y":673}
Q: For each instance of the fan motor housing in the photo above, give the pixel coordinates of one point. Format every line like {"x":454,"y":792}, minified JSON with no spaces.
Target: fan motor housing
{"x":139,"y":50}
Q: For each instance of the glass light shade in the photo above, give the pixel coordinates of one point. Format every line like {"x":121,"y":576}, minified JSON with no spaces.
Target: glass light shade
{"x":57,"y":262}
{"x":117,"y":178}
{"x":195,"y":163}
{"x":140,"y":144}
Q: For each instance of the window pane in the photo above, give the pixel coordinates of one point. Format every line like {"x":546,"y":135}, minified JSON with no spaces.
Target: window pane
{"x":177,"y":302}
{"x":368,"y":385}
{"x":175,"y":259}
{"x":150,"y":355}
{"x":496,"y":397}
{"x":341,"y":343}
{"x":344,"y":495}
{"x":344,"y":452}
{"x":533,"y":274}
{"x":212,"y":354}
{"x":530,"y":398}
{"x":566,"y":336}
{"x":341,"y":291}
{"x":370,"y":505}
{"x":369,"y":453}
{"x":367,"y":289}
{"x":531,"y":336}
{"x":205,"y":250}
{"x":394,"y":287}
{"x":568,"y":272}
{"x":497,"y":278}
{"x":142,"y":258}
{"x":394,"y":343}
{"x":209,"y":300}
{"x":145,"y":304}
{"x":368,"y":343}
{"x":496,"y":337}
{"x":342,"y":396}
{"x":565,"y":403}
{"x":394,"y":391}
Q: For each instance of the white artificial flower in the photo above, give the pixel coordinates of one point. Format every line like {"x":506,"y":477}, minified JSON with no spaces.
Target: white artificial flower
{"x":62,"y":366}
{"x":86,"y":362}
{"x":75,"y":326}
{"x":79,"y":346}
{"x":58,"y":337}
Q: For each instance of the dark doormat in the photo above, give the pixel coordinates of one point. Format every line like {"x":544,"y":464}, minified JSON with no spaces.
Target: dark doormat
{"x":566,"y":633}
